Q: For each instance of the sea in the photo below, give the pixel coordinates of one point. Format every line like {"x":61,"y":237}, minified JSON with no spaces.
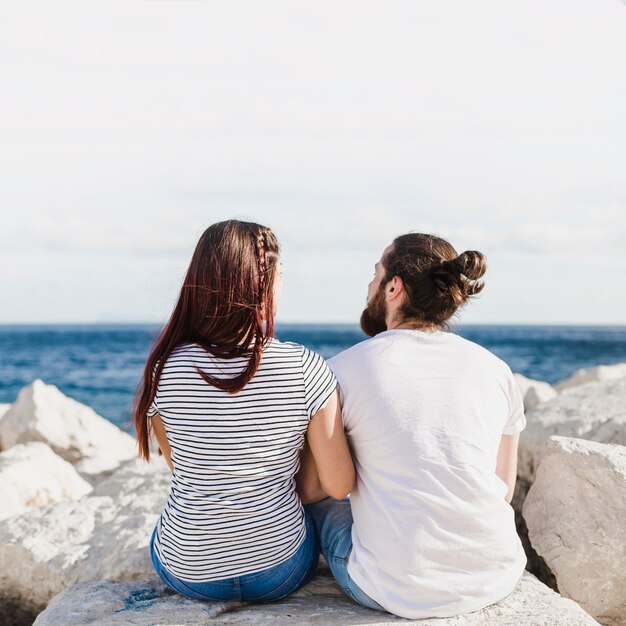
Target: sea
{"x":101,"y":364}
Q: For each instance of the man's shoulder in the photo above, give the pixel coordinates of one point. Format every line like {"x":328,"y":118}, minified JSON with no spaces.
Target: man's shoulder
{"x":484,"y":356}
{"x":352,"y":355}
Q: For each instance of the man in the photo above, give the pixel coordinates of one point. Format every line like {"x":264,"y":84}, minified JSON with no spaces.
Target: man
{"x":433,"y":421}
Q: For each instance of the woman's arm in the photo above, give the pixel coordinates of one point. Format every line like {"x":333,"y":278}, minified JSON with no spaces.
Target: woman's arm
{"x":506,"y":465}
{"x":164,"y":444}
{"x":326,"y":462}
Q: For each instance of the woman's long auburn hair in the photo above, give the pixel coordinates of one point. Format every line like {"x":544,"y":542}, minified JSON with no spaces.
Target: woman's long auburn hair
{"x":225,"y":305}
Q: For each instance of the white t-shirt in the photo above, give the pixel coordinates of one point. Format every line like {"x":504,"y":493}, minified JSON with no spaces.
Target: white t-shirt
{"x":424,"y":412}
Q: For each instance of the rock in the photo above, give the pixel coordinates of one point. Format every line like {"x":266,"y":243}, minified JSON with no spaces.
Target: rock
{"x":575,"y":512}
{"x":73,"y":430}
{"x":535,"y":564}
{"x":534,"y":392}
{"x":3,"y":409}
{"x":595,"y":411}
{"x":593,"y":374}
{"x":105,"y":534}
{"x":32,"y":475}
{"x":149,"y":602}
{"x":124,"y":603}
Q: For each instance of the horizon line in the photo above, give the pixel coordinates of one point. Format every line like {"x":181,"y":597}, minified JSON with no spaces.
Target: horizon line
{"x":324,"y":323}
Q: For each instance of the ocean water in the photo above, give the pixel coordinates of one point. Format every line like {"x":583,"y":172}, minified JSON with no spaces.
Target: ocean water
{"x":101,"y":365}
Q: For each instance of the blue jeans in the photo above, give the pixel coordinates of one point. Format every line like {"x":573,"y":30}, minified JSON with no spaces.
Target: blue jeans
{"x":267,"y":585}
{"x":333,"y":520}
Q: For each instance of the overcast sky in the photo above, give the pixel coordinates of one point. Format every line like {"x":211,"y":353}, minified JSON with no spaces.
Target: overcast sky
{"x":127,"y":127}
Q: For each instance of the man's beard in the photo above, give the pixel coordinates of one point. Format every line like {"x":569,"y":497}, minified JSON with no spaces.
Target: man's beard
{"x":373,"y":318}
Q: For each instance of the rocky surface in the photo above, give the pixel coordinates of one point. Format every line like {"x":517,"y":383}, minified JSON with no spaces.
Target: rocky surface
{"x":535,"y":564}
{"x":73,"y":430}
{"x":3,"y":409}
{"x":594,"y":411}
{"x":88,"y":559}
{"x":534,"y":392}
{"x":593,"y":374}
{"x":576,"y":517}
{"x":105,"y":534}
{"x":32,"y":475}
{"x":149,"y":602}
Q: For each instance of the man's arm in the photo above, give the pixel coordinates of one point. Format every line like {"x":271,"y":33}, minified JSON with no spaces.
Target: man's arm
{"x":164,"y":444}
{"x":326,"y":462}
{"x":506,"y":466}
{"x":308,"y":483}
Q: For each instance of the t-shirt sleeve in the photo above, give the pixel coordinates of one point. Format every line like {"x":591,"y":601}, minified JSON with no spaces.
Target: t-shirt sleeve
{"x":319,"y":381}
{"x":517,"y":419}
{"x":153,"y":409}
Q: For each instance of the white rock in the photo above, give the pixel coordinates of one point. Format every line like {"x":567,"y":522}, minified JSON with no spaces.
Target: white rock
{"x":576,"y":517}
{"x":105,"y":534}
{"x":534,"y":392}
{"x":3,"y":409}
{"x":32,"y":475}
{"x":595,"y":411}
{"x":593,"y":374}
{"x":149,"y":602}
{"x":73,"y":430}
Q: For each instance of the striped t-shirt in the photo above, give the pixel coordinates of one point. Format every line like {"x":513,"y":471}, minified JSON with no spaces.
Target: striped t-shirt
{"x":232,"y":508}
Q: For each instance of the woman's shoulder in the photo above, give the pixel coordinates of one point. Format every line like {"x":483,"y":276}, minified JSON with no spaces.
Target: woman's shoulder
{"x":297,"y":348}
{"x":306,"y":356}
{"x":289,"y":349}
{"x":274,"y":350}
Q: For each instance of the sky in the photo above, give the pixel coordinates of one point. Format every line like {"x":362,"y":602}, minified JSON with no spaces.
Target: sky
{"x":128,"y":127}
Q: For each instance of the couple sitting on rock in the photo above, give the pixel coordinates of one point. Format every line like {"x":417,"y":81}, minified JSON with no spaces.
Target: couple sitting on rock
{"x":266,"y":440}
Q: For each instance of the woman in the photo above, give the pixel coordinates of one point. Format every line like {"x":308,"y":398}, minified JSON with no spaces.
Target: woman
{"x":230,"y":406}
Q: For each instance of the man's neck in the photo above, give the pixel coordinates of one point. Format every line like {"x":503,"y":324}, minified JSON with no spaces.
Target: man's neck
{"x":410,"y":325}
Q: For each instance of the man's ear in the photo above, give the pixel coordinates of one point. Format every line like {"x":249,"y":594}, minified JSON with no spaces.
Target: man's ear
{"x":394,"y":289}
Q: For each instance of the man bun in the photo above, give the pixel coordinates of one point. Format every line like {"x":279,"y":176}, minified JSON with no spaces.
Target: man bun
{"x":472,"y":264}
{"x":457,"y":278}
